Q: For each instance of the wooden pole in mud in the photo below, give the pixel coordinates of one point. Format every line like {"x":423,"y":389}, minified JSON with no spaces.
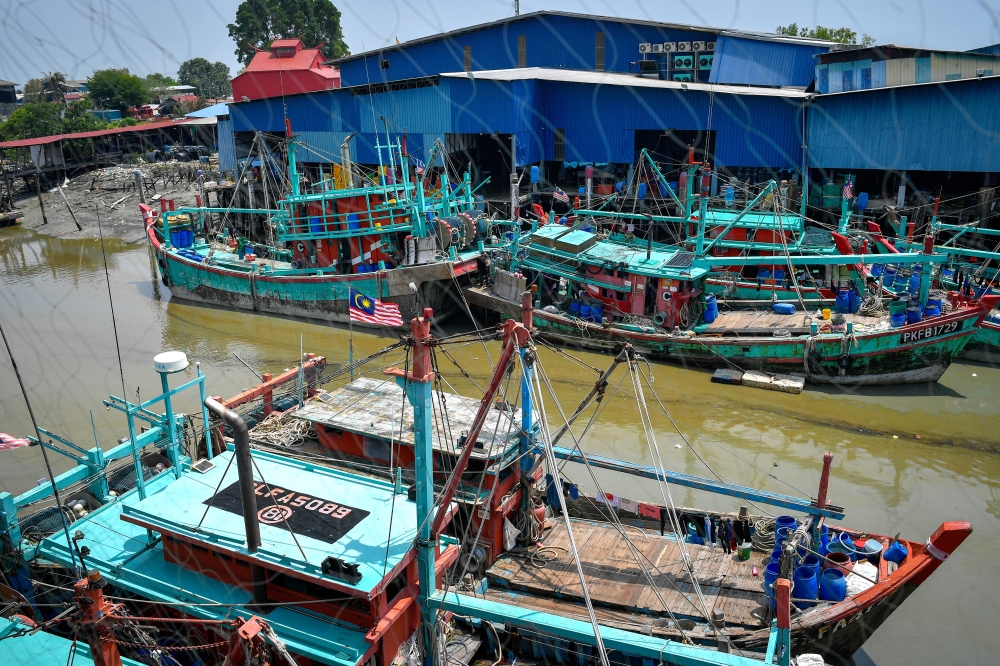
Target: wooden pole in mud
{"x":38,"y":191}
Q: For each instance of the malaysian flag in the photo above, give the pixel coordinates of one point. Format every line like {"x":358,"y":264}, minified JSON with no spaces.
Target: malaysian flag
{"x":10,"y":442}
{"x":559,"y":195}
{"x":419,"y":164}
{"x":848,"y":189}
{"x":373,"y":311}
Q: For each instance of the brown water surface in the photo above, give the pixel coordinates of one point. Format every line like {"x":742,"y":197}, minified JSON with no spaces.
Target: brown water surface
{"x":55,"y":310}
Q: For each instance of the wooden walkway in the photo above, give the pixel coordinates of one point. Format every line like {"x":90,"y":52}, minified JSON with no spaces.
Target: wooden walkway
{"x":766,"y":323}
{"x":616,"y":581}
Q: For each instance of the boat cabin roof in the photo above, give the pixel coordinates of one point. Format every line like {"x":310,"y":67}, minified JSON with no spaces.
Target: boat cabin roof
{"x":124,"y":552}
{"x":371,"y":407}
{"x":664,"y":261}
{"x":755,"y":220}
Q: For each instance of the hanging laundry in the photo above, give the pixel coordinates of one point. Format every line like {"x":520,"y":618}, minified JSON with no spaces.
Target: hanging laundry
{"x":631,"y":506}
{"x":607,"y":498}
{"x":711,"y":532}
{"x":649,"y":511}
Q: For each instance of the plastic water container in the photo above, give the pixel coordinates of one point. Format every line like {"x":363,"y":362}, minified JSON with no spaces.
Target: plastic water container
{"x":574,"y":308}
{"x":914,"y":282}
{"x":784,"y":308}
{"x":913,"y":314}
{"x":596,"y":313}
{"x":730,"y":195}
{"x":855,"y":301}
{"x":778,"y":274}
{"x":770,"y":576}
{"x":584,"y":311}
{"x":843,"y":301}
{"x":897,"y":319}
{"x":832,"y":585}
{"x":895,"y":553}
{"x":934,"y":303}
{"x":932,"y":312}
{"x":711,"y":309}
{"x":805,"y":586}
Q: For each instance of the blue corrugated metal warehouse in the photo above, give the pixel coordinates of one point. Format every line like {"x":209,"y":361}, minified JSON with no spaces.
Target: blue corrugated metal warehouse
{"x":946,"y":126}
{"x":591,"y":43}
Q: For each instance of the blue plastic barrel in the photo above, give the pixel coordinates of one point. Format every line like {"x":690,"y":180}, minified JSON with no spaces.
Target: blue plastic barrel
{"x":534,"y":174}
{"x":914,"y":282}
{"x":855,"y":301}
{"x":813,"y":562}
{"x":832,"y":585}
{"x":913,"y":314}
{"x":843,"y":304}
{"x":584,"y":311}
{"x":947,"y":272}
{"x":173,"y":239}
{"x":877,"y":270}
{"x":770,"y":577}
{"x":897,"y":319}
{"x":824,"y":540}
{"x":674,"y":185}
{"x":574,"y":308}
{"x":804,"y":586}
{"x":786,"y":521}
{"x":730,"y":195}
{"x":932,"y":312}
{"x":711,"y":309}
{"x":596,"y":313}
{"x":642,"y":190}
{"x":315,"y":225}
{"x":784,"y":308}
{"x":764,"y":273}
{"x":779,"y":274}
{"x":781,"y":535}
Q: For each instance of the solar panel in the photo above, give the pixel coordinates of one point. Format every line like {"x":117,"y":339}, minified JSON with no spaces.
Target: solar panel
{"x":203,"y":465}
{"x":681,"y":260}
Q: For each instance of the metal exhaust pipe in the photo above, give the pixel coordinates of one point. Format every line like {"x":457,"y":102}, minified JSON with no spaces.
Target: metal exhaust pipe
{"x":248,"y":498}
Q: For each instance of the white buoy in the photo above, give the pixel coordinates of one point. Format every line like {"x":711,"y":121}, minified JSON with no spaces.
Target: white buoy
{"x":170,"y":362}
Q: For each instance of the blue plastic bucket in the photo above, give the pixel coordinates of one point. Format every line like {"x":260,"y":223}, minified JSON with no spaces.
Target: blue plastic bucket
{"x":832,"y":585}
{"x":786,"y":521}
{"x":889,"y":275}
{"x":804,"y":586}
{"x":584,"y":311}
{"x":770,"y":577}
{"x":574,"y":308}
{"x":711,"y":309}
{"x":897,"y":319}
{"x":877,"y":270}
{"x":873,"y":551}
{"x":596,"y":313}
{"x":913,"y":314}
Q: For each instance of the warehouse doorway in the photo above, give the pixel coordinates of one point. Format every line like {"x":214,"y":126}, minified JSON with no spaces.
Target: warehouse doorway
{"x":670,"y":146}
{"x":483,"y":156}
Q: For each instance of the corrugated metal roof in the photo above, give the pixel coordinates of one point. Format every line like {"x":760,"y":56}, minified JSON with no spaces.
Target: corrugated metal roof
{"x":764,"y":63}
{"x":615,"y":79}
{"x":946,"y":126}
{"x":220,"y":109}
{"x":55,"y":138}
{"x":227,"y":146}
{"x":589,"y":17}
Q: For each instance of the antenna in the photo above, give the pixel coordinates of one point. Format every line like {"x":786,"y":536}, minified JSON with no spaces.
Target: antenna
{"x":517,"y":7}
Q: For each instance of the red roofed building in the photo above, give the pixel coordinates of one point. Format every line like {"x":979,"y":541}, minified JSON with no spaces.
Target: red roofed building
{"x":286,"y":69}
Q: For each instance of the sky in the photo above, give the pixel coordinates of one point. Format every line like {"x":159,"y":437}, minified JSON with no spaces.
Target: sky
{"x":78,"y":36}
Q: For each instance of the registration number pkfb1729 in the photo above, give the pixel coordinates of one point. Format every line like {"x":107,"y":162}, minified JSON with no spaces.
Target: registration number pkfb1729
{"x":929,"y":332}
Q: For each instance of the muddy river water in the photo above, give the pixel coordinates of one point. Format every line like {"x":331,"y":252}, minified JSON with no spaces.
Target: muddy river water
{"x":906,"y":458}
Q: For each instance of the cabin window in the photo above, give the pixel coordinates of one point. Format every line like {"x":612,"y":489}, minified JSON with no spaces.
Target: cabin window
{"x":599,"y":51}
{"x":467,"y":58}
{"x":559,"y":145}
{"x":395,"y":586}
{"x":383,"y":63}
{"x":222,"y":556}
{"x":621,"y":295}
{"x":522,"y":50}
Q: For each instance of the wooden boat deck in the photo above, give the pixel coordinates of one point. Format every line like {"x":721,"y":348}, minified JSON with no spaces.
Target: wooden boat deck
{"x":766,"y":323}
{"x":615,"y":581}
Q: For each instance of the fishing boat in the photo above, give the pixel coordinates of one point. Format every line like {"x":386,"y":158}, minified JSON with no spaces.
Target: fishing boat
{"x":383,"y":237}
{"x":598,"y":287}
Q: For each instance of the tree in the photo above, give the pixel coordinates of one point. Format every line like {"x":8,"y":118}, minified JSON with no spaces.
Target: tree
{"x":839,"y":35}
{"x":34,"y":91}
{"x":77,"y":118}
{"x":116,"y":89}
{"x":55,"y":87}
{"x":33,"y":120}
{"x":209,"y":79}
{"x":259,"y":22}
{"x":158,"y":84}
